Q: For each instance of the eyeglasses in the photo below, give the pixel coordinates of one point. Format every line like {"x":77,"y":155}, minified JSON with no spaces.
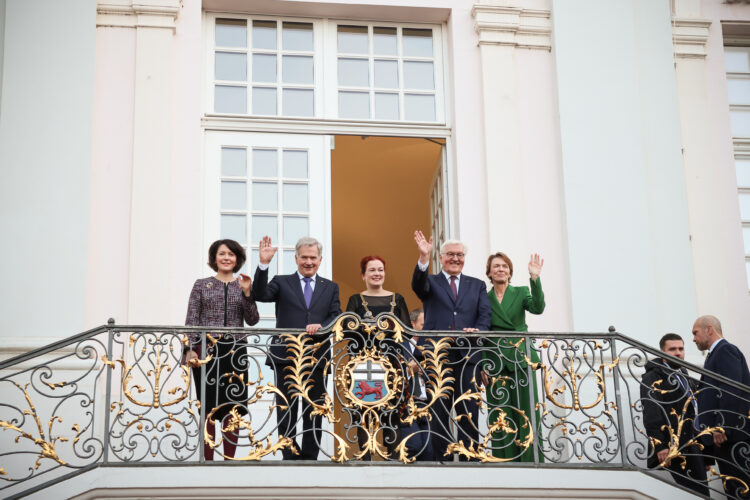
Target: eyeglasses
{"x":454,"y":255}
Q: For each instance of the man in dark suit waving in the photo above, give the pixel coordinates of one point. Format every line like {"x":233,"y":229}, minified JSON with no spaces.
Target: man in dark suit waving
{"x":721,"y":405}
{"x":303,"y":300}
{"x":452,"y":301}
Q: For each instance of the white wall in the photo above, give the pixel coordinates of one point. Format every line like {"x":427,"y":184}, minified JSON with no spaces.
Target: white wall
{"x":45,"y":163}
{"x":626,"y":212}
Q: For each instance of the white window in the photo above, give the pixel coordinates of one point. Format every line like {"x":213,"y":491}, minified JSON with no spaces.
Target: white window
{"x":268,"y":185}
{"x":737,"y":62}
{"x":325,"y":69}
{"x":386,"y":73}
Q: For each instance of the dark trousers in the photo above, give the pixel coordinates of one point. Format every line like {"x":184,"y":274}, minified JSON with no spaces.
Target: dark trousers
{"x":463,"y":372}
{"x":287,"y":417}
{"x":694,"y":474}
{"x":419,"y":443}
{"x":733,"y":459}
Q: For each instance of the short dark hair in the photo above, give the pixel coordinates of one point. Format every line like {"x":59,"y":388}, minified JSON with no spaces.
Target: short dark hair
{"x":233,"y":246}
{"x":667,"y":337}
{"x":367,"y":259}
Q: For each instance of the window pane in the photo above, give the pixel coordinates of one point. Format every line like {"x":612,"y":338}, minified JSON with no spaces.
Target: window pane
{"x":272,"y":271}
{"x":384,"y":41}
{"x":743,"y":172}
{"x":264,"y":68}
{"x":298,"y":102}
{"x":746,"y":237}
{"x":290,"y":265}
{"x":354,"y":105}
{"x":264,"y":34}
{"x":740,"y":122}
{"x":294,"y":229}
{"x":386,"y":106}
{"x":264,"y":101}
{"x":418,"y":75}
{"x":233,"y":195}
{"x":231,"y":33}
{"x":353,"y":39}
{"x":264,"y":162}
{"x":264,"y":225}
{"x":233,"y":161}
{"x":417,"y":42}
{"x":354,"y":72}
{"x":295,"y":164}
{"x":297,"y":36}
{"x":234,"y":227}
{"x":745,"y":206}
{"x":386,"y":74}
{"x":737,"y":59}
{"x":265,"y":196}
{"x":420,"y":108}
{"x":295,"y":197}
{"x":231,"y":66}
{"x":230,"y":99}
{"x":297,"y":69}
{"x":739,"y":89}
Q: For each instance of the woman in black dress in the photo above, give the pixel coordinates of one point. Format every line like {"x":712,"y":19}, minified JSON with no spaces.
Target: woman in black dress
{"x":221,"y":300}
{"x":370,"y":302}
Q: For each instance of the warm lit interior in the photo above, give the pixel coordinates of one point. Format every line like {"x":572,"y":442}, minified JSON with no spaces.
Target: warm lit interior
{"x":381,"y":195}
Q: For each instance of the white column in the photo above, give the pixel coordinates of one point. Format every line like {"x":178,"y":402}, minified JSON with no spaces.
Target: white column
{"x":715,"y":234}
{"x":150,"y":219}
{"x":522,"y":146}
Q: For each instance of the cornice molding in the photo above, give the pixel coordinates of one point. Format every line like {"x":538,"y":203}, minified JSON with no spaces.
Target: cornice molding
{"x":138,"y":13}
{"x":497,"y":23}
{"x":689,"y":37}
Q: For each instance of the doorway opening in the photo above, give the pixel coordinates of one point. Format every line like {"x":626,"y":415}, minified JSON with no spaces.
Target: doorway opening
{"x":382,"y":189}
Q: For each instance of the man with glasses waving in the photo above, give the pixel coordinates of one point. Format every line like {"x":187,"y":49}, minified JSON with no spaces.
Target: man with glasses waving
{"x":452,"y":301}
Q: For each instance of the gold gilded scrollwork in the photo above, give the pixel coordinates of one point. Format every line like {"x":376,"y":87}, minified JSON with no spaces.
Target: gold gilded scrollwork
{"x":575,"y":378}
{"x":45,"y":444}
{"x":370,"y":418}
{"x":155,"y":374}
{"x":302,"y":363}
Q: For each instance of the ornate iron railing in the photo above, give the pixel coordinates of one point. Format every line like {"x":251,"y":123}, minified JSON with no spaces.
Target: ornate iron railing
{"x":125,"y":395}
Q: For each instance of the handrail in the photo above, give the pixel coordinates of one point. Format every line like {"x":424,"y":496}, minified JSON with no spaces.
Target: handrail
{"x":118,"y":394}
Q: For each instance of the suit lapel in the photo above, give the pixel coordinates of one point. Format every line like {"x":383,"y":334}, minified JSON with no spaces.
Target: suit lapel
{"x":510,"y":296}
{"x":446,"y":286}
{"x":320,"y":285}
{"x":463,"y":288}
{"x":294,"y":283}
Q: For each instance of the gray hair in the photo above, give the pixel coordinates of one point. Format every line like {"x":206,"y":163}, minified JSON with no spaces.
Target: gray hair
{"x":307,"y":241}
{"x":453,"y":242}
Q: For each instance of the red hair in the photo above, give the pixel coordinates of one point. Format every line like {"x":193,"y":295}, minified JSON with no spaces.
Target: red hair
{"x":367,"y":259}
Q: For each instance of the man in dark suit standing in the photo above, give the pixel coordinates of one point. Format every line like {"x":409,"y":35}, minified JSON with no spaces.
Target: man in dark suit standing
{"x":452,"y":301}
{"x":303,"y":300}
{"x":665,"y":389}
{"x":721,"y":405}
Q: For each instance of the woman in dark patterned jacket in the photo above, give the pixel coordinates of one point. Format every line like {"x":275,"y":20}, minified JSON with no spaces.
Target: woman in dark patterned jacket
{"x":221,"y":300}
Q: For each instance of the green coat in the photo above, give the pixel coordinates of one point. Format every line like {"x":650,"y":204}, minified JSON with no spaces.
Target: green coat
{"x":507,"y":360}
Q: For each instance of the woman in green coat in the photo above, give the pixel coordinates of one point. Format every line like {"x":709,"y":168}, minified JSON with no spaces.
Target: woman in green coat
{"x":505,"y":363}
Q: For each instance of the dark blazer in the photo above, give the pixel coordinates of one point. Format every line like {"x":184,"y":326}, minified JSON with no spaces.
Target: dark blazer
{"x":291,"y":312}
{"x":442,"y":312}
{"x":662,"y":403}
{"x":718,"y":403}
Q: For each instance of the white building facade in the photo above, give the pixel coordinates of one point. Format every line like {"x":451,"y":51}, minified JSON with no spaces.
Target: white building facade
{"x":611,"y":137}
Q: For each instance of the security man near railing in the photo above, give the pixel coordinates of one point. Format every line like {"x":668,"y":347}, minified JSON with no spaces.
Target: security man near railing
{"x":722,"y":405}
{"x":668,"y":397}
{"x":306,"y":301}
{"x":452,"y":301}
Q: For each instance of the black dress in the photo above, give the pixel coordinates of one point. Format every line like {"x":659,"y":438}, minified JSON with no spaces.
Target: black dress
{"x":395,"y":303}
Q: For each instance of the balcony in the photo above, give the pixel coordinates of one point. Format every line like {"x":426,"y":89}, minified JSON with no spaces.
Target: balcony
{"x":116,"y":411}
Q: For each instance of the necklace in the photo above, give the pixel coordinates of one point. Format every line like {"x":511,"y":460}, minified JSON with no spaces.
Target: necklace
{"x":368,"y":313}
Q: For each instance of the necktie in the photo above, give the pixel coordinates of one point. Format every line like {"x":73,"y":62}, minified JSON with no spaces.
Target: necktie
{"x":453,"y":287}
{"x":689,"y":393}
{"x":308,"y":291}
